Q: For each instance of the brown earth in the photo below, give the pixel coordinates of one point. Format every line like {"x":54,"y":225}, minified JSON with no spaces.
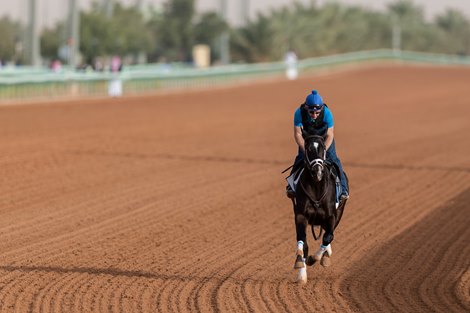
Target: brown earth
{"x":175,"y":203}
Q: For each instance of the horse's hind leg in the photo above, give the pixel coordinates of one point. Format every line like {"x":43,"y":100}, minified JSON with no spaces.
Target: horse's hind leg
{"x":339,"y":212}
{"x":325,"y":250}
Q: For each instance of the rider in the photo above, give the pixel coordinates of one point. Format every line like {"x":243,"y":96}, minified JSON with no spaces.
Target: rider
{"x":315,"y":117}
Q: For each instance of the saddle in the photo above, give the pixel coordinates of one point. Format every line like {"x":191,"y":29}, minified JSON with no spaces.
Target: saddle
{"x":294,"y":177}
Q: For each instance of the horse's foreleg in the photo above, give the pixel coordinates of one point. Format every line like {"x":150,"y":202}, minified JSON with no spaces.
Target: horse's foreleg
{"x":302,"y":247}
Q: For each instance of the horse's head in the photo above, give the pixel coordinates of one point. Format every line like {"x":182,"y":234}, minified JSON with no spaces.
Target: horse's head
{"x":315,"y":155}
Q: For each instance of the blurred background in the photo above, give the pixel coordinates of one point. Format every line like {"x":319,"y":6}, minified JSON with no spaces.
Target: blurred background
{"x":148,"y":39}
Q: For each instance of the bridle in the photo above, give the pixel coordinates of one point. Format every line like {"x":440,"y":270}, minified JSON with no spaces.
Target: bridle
{"x":310,"y":164}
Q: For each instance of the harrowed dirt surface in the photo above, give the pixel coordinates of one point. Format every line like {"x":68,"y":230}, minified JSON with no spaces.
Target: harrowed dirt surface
{"x":175,"y":203}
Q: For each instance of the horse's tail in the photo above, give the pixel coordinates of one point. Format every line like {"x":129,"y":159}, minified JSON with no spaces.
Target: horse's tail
{"x":313,"y":232}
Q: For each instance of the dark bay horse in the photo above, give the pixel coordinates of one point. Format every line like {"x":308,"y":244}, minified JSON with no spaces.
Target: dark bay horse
{"x":315,"y":204}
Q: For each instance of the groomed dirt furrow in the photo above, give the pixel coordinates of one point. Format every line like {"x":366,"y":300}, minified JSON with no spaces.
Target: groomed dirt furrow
{"x":206,"y":261}
{"x":345,"y":251}
{"x":154,"y":204}
{"x":131,"y":209}
{"x":106,"y":177}
{"x":462,"y":287}
{"x":72,"y":291}
{"x":358,"y":246}
{"x":399,"y":209}
{"x":405,"y":209}
{"x":228,"y":266}
{"x":419,"y":269}
{"x":45,"y":298}
{"x":235,"y":282}
{"x":63,"y":298}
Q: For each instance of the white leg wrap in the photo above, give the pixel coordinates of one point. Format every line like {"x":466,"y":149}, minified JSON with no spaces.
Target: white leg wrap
{"x":300,"y":245}
{"x":318,"y":255}
{"x":329,"y":250}
{"x":302,"y":275}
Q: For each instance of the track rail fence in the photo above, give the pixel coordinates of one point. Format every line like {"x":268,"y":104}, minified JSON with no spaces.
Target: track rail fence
{"x":25,"y":83}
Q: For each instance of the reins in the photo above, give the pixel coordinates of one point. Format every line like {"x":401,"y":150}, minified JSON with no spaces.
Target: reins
{"x":316,"y":203}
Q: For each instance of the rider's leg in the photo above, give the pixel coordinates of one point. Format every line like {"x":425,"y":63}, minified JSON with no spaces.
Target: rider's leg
{"x":298,"y":161}
{"x":331,"y":155}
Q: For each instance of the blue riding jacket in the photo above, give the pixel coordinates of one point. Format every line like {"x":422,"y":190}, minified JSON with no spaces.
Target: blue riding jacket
{"x":320,"y":128}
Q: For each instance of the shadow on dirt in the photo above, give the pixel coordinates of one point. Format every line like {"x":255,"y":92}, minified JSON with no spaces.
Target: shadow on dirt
{"x":92,"y":271}
{"x":178,"y":157}
{"x":408,"y":167}
{"x":208,"y":158}
{"x":423,"y":262}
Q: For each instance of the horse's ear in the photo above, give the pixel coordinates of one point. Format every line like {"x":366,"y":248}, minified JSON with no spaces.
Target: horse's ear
{"x":304,"y":133}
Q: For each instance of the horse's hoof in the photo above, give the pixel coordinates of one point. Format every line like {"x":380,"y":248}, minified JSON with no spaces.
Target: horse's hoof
{"x":322,"y":251}
{"x":302,"y":276}
{"x":325,"y":260}
{"x":310,"y":260}
{"x":318,"y":255}
{"x":299,"y":264}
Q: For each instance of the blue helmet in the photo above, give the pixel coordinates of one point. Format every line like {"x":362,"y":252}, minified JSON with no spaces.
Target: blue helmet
{"x":314,"y":100}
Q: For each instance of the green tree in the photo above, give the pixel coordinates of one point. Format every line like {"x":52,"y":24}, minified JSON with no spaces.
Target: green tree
{"x":254,"y":42}
{"x":173,"y":30}
{"x":415,"y":32}
{"x":51,"y":40}
{"x":297,"y":28}
{"x":207,"y":29}
{"x":456,"y":31}
{"x":96,"y":38}
{"x":10,"y":34}
{"x":362,"y":30}
{"x":128,"y":30}
{"x":123,"y":33}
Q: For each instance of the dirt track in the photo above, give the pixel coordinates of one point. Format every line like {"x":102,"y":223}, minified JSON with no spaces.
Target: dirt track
{"x":175,"y":203}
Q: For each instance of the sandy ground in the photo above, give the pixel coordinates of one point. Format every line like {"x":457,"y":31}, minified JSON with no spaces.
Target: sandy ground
{"x":175,"y":203}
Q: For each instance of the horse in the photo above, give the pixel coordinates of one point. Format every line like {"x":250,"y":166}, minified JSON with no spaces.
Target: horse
{"x":315,"y":204}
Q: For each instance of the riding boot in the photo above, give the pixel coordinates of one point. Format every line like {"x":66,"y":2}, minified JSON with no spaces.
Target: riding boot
{"x":331,"y":156}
